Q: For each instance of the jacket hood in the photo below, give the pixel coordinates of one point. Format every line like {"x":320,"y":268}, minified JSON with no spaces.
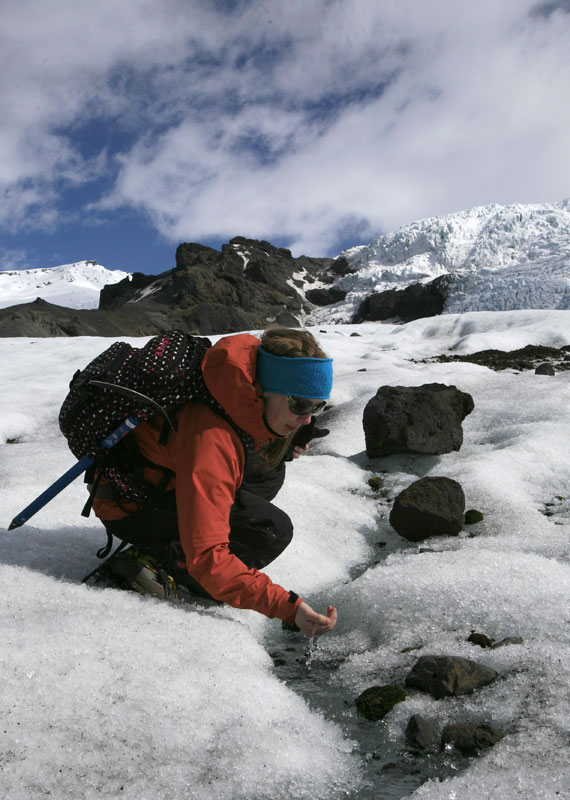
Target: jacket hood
{"x":229,"y":369}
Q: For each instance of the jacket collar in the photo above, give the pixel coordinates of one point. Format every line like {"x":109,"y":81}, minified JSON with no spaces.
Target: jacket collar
{"x":229,"y":369}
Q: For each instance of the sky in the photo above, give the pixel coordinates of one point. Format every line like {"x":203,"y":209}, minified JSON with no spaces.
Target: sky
{"x":129,"y":128}
{"x":105,"y":694}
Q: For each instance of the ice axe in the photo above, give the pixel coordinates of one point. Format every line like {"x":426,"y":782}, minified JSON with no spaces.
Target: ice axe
{"x":74,"y":472}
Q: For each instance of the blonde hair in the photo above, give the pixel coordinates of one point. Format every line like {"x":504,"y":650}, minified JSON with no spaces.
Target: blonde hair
{"x":293,"y":343}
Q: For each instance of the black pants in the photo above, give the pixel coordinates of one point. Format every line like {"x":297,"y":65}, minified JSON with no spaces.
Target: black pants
{"x":259,"y":531}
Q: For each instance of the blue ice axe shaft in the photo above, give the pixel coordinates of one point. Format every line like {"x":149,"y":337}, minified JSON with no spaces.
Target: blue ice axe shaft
{"x":64,"y":480}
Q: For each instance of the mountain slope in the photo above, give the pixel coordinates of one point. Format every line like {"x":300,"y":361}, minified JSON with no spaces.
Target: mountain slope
{"x":500,"y":257}
{"x":72,"y":285}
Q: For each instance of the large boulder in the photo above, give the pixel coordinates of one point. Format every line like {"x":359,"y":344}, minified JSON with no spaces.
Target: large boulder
{"x":325,"y":297}
{"x":432,"y":506}
{"x":448,"y":676}
{"x":415,"y":419}
{"x":545,"y":369}
{"x":414,"y":302}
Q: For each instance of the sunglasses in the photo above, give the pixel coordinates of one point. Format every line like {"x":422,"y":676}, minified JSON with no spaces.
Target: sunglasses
{"x":302,"y":407}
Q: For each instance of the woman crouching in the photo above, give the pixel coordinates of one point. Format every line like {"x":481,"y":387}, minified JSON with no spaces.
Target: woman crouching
{"x":210,"y":525}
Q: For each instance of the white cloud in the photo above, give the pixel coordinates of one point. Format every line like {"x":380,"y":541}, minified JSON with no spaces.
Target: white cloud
{"x":65,"y":63}
{"x":271,"y":122}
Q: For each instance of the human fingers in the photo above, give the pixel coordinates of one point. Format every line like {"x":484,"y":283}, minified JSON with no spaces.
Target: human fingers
{"x":299,"y":451}
{"x":323,"y":624}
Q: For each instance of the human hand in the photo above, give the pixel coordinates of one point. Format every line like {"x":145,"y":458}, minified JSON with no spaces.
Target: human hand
{"x":302,"y":437}
{"x":311,"y":623}
{"x":308,"y":432}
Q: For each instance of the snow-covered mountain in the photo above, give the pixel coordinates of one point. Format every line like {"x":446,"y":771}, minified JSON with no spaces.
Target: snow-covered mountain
{"x":73,"y":285}
{"x":503,"y":257}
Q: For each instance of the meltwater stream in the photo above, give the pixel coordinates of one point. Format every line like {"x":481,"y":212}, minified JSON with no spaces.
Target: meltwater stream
{"x":390,"y":770}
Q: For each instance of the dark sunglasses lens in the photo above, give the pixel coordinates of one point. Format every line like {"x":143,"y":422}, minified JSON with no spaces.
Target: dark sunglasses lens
{"x":301,"y":406}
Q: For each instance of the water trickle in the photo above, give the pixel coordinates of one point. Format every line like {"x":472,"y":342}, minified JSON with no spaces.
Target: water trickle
{"x":390,"y":769}
{"x":310,"y":652}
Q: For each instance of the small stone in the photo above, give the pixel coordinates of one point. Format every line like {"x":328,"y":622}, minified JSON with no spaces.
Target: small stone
{"x":362,"y":369}
{"x":421,"y":733}
{"x":545,"y":369}
{"x":508,"y":640}
{"x":430,"y":506}
{"x":376,"y":482}
{"x":380,"y":544}
{"x":377,"y":701}
{"x":448,"y":676}
{"x":356,"y":334}
{"x":480,"y":639}
{"x":472,"y":516}
{"x":470,"y":739}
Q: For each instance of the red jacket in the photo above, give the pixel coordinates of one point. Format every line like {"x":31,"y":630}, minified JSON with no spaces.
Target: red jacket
{"x":208,"y":459}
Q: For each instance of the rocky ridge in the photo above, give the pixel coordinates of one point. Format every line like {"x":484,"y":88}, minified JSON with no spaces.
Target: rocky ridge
{"x":487,"y":258}
{"x":246,"y":285}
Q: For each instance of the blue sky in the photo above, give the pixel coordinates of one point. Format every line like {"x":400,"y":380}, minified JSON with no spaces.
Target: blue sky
{"x":129,"y":128}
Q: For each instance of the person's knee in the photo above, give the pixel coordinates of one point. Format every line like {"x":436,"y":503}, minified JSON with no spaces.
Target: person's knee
{"x":283,"y":528}
{"x":258,"y":539}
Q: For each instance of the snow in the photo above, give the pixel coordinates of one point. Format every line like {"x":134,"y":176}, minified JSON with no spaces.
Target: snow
{"x":76,"y":285}
{"x":244,"y":255}
{"x":106,"y":694}
{"x":504,"y":257}
{"x":148,"y":291}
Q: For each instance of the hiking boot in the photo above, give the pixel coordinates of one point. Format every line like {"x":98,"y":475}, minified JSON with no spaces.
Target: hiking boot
{"x":142,"y":574}
{"x":131,"y":569}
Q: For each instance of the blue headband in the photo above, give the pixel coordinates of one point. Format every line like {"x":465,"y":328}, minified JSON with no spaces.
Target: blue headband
{"x":295,"y":377}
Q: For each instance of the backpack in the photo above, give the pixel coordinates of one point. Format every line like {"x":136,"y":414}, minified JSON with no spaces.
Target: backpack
{"x":126,"y":381}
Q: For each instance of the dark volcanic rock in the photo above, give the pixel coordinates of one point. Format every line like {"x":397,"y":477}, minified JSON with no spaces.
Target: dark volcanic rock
{"x":508,"y":640}
{"x":480,"y":639}
{"x":114,"y":295}
{"x":528,"y":357}
{"x":448,"y":676}
{"x":245,"y":286}
{"x":431,"y":506}
{"x":415,"y":419}
{"x":325,"y":297}
{"x":469,"y":738}
{"x":421,"y":733}
{"x":340,"y":266}
{"x":414,"y":302}
{"x":472,"y":516}
{"x":545,"y":369}
{"x":44,"y":319}
{"x":377,"y":701}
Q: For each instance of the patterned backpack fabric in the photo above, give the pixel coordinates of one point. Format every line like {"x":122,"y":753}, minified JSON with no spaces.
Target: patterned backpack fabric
{"x":142,"y":382}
